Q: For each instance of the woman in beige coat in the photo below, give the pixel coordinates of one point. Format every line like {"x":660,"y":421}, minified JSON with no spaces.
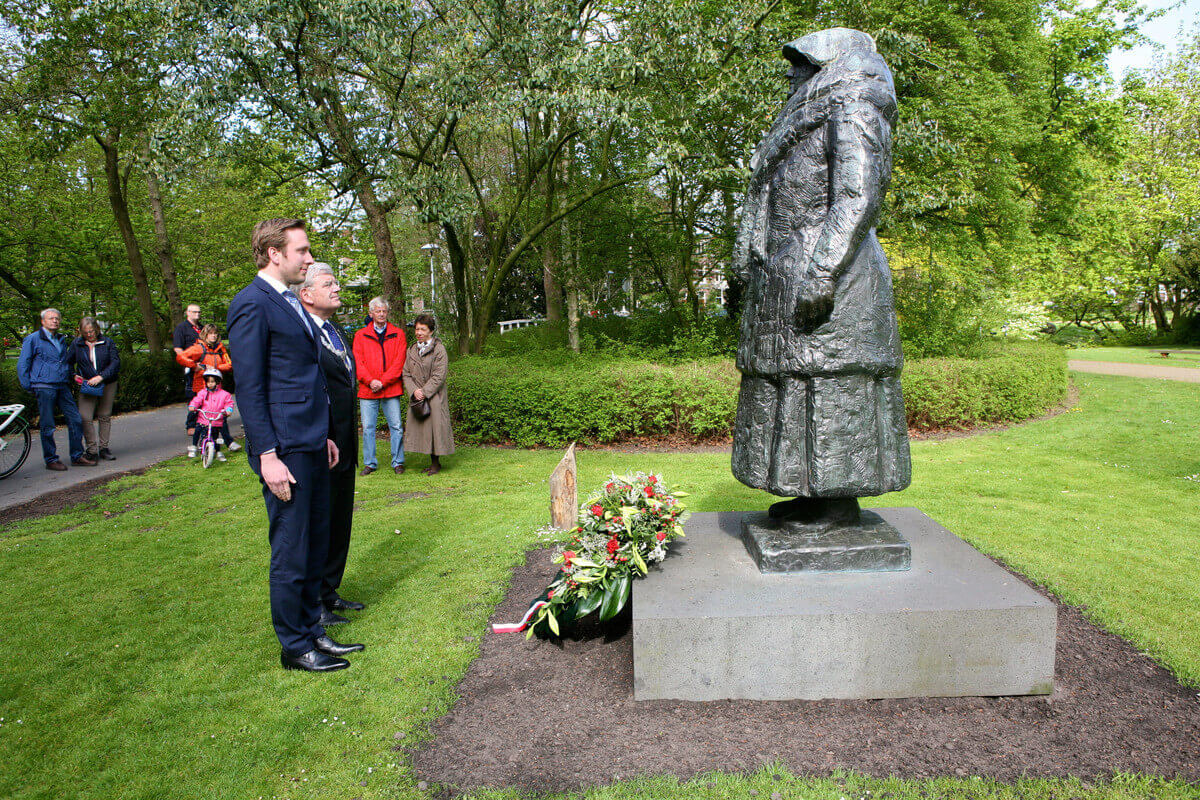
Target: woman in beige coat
{"x":425,"y":378}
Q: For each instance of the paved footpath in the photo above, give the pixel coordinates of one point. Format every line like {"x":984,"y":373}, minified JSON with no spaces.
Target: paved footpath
{"x":139,"y":439}
{"x":1185,"y":374}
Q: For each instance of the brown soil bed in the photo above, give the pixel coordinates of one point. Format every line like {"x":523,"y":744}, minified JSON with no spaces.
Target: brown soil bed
{"x":545,"y":717}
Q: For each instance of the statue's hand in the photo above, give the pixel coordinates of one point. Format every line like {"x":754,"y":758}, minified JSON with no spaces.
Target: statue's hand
{"x":814,"y":304}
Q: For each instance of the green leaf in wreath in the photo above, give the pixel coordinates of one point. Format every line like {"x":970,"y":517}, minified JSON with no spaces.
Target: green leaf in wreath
{"x":553,"y":622}
{"x":587,"y":605}
{"x":614,"y":598}
{"x":639,"y":561}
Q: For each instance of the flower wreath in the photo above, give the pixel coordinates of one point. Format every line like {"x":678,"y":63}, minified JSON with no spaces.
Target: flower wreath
{"x":621,"y":530}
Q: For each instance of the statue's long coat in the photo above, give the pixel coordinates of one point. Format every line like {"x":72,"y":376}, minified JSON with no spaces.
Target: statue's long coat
{"x":820,"y":412}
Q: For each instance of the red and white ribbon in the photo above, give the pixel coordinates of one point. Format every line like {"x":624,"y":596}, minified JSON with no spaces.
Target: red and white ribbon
{"x":515,"y":627}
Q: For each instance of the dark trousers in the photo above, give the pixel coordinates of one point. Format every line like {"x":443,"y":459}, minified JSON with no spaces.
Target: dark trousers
{"x":201,"y":433}
{"x":192,"y":413}
{"x":341,"y":515}
{"x":299,"y":536}
{"x":47,"y":398}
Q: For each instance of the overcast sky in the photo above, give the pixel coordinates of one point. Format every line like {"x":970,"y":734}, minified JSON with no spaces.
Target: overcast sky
{"x":1166,"y":31}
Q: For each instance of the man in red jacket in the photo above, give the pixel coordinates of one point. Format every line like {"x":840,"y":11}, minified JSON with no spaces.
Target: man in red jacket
{"x":379,"y":351}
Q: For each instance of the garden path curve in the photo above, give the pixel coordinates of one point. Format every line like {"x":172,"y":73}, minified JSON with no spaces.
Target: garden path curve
{"x":1185,"y":374}
{"x":139,"y":439}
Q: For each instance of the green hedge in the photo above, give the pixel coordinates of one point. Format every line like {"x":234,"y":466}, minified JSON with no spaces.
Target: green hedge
{"x":544,"y":401}
{"x":1012,"y":382}
{"x":145,"y":381}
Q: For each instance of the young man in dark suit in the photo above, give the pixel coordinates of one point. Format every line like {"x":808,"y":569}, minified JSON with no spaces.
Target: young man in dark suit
{"x":319,"y":294}
{"x":284,"y":404}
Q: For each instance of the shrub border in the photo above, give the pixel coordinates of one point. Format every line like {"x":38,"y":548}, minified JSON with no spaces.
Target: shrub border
{"x":544,"y":402}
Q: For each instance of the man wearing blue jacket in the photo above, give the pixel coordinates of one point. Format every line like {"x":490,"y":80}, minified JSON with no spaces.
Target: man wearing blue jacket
{"x":284,"y":403}
{"x":44,"y":372}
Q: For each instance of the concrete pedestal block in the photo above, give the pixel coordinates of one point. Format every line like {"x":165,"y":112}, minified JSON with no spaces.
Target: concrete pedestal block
{"x":710,"y":626}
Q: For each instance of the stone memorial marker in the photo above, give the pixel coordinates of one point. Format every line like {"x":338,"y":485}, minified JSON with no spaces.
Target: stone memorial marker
{"x":564,"y":492}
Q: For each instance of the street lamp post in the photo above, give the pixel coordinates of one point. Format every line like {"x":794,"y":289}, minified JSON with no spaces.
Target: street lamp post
{"x":432,"y":289}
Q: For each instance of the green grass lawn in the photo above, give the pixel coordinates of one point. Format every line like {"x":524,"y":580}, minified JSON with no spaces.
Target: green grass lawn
{"x":1138,"y":355}
{"x":139,"y":661}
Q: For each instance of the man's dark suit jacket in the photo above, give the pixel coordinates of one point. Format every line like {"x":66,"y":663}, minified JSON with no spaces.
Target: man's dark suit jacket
{"x":343,"y":403}
{"x":281,"y":393}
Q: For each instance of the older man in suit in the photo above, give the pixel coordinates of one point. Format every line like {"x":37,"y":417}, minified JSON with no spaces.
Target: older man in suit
{"x":284,"y":404}
{"x":319,"y":294}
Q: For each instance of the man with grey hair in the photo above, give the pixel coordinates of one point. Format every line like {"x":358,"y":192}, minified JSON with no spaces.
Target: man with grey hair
{"x":44,"y":372}
{"x":379,"y":352}
{"x":320,"y":296}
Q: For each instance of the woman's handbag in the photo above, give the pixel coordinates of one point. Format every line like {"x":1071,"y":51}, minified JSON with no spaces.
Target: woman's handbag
{"x":88,"y":389}
{"x":420,"y":408}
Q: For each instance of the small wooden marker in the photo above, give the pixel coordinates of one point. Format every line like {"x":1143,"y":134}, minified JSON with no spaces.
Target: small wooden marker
{"x":564,"y":495}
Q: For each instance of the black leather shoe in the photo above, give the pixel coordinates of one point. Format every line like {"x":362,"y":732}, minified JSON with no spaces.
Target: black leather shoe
{"x":365,"y":471}
{"x":106,"y":454}
{"x":329,"y":618}
{"x":313,"y":661}
{"x":342,"y":604}
{"x":327,"y":645}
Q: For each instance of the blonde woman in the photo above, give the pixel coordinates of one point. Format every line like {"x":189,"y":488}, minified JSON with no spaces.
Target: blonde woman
{"x":94,"y":360}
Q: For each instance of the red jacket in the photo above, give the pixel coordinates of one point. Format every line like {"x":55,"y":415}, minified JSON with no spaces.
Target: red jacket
{"x":380,"y":360}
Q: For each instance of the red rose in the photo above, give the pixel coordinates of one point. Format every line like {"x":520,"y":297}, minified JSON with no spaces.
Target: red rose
{"x":660,"y":535}
{"x":567,"y":556}
{"x":598,"y":510}
{"x":608,"y":486}
{"x":649,"y":491}
{"x":549,"y":594}
{"x":653,"y":479}
{"x":613,"y":545}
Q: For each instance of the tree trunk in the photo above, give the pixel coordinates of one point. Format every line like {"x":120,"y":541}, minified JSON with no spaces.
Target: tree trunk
{"x":1156,"y":308}
{"x":550,"y":262}
{"x":572,"y":263}
{"x":385,"y":254}
{"x":458,"y":268}
{"x":166,"y":259}
{"x":116,"y":198}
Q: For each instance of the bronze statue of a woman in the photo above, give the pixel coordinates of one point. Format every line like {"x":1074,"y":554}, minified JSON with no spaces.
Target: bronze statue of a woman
{"x":820,"y":416}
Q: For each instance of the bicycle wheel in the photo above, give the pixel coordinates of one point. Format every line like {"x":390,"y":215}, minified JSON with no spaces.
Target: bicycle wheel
{"x":210,"y":452}
{"x":14,"y":447}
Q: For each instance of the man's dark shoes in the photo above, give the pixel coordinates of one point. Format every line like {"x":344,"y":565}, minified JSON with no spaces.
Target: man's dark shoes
{"x":367,"y":470}
{"x":57,"y":466}
{"x":342,"y":604}
{"x":106,"y":454}
{"x":329,"y":646}
{"x":313,"y":661}
{"x":329,"y":618}
{"x":82,"y":461}
{"x":398,"y":469}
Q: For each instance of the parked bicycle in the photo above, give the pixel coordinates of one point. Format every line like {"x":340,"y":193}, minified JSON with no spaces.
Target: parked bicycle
{"x":15,"y":439}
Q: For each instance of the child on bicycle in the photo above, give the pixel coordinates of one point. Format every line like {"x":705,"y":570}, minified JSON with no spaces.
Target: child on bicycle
{"x":213,"y":406}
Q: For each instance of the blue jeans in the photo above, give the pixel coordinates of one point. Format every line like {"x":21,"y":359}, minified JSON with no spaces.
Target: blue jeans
{"x":370,"y":416}
{"x":47,"y":398}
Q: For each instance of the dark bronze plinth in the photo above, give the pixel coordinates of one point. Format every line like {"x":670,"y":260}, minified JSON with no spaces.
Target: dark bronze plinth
{"x":868,"y":545}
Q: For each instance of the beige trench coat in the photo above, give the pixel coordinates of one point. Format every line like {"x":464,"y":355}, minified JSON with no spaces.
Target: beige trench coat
{"x":427,"y":372}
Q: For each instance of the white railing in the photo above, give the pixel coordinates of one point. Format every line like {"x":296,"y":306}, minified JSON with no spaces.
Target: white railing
{"x":512,"y":324}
